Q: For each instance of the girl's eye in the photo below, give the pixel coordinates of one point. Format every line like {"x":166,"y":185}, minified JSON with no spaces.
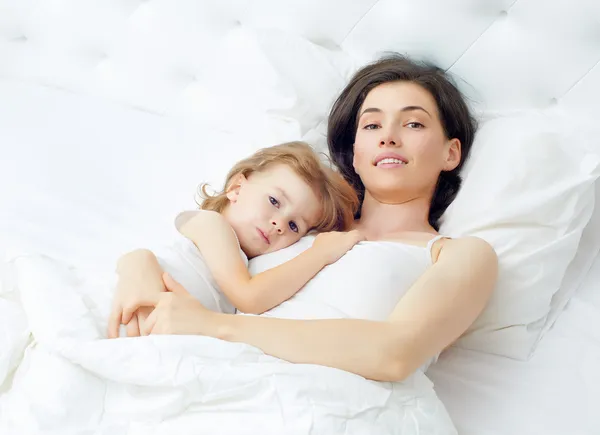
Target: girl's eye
{"x":294,"y":227}
{"x":273,"y":201}
{"x":370,"y":127}
{"x":416,"y":125}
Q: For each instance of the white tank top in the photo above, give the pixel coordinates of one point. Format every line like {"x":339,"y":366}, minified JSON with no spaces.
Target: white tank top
{"x":366,"y":283}
{"x":183,"y":261}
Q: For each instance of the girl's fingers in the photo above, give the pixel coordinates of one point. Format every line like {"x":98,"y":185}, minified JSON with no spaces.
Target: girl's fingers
{"x":114,"y":322}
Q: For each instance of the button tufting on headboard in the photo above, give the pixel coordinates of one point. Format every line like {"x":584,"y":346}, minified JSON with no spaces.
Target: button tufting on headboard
{"x":508,"y":54}
{"x":21,"y":38}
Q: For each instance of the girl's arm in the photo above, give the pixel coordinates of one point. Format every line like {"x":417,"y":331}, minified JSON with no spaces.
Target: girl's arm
{"x":217,"y":243}
{"x":437,"y":309}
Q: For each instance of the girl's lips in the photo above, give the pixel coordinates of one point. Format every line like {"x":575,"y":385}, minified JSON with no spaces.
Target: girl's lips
{"x":264,"y":236}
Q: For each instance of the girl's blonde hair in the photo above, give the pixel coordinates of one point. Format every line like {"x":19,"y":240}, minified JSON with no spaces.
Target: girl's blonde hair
{"x":339,"y":201}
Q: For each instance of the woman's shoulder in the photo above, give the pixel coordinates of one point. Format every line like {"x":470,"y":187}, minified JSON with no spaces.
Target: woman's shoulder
{"x":468,"y":248}
{"x":468,"y":242}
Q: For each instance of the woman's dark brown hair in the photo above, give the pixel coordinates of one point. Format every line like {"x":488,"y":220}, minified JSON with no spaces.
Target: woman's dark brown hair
{"x":454,"y":113}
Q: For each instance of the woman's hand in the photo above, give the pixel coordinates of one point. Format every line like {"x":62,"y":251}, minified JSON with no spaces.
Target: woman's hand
{"x":126,"y":308}
{"x":140,"y":279}
{"x":135,"y":327}
{"x":177,"y":312}
{"x":333,"y":245}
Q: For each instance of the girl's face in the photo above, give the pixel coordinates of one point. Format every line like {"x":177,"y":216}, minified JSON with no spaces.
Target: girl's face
{"x":271,"y":210}
{"x":400,"y":146}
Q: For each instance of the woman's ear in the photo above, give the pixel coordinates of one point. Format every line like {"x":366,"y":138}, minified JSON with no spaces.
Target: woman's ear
{"x":233,"y":190}
{"x":453,"y":155}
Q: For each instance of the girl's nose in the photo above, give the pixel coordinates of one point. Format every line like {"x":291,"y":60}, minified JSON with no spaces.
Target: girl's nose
{"x":277,"y":227}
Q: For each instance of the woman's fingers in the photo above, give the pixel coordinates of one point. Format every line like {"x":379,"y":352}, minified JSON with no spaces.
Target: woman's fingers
{"x":150,"y":322}
{"x":133,"y":328}
{"x":142,"y":315}
{"x":135,"y":305}
{"x":133,"y":315}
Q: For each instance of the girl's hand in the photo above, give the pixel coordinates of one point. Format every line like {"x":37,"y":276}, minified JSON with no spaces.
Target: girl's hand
{"x":128,"y":307}
{"x":177,"y":312}
{"x":333,"y":245}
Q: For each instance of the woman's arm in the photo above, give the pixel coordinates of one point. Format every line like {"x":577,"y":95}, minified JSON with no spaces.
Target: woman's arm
{"x":139,"y":276}
{"x":216,"y":241}
{"x":436,"y":310}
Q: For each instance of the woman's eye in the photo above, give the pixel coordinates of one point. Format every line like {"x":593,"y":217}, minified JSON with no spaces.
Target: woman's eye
{"x":370,"y":127}
{"x":415,"y":125}
{"x":294,"y":227}
{"x":273,"y":201}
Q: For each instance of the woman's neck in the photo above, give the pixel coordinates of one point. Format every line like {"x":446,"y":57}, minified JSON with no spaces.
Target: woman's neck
{"x":379,"y":220}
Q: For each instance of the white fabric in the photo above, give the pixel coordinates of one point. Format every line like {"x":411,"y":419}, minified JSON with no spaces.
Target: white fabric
{"x":113,"y":111}
{"x":71,"y":380}
{"x":366,"y":283}
{"x":529,"y":191}
{"x":184,"y":262}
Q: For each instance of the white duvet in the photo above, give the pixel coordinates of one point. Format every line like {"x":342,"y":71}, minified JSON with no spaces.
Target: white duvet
{"x":59,"y":375}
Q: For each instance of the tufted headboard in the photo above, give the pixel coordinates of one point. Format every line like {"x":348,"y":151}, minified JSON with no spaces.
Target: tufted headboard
{"x":164,"y":56}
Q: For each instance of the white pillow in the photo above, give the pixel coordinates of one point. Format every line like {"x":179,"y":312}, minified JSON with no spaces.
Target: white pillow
{"x":578,"y":269}
{"x":529,"y":191}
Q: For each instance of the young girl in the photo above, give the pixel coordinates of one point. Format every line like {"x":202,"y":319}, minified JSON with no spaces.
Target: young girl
{"x":270,"y":200}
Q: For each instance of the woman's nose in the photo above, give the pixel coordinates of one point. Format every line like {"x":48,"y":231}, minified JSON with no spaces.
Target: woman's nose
{"x":388,"y":137}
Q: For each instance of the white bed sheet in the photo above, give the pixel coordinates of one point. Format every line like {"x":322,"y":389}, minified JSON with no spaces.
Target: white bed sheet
{"x":54,"y":176}
{"x":557,"y":392}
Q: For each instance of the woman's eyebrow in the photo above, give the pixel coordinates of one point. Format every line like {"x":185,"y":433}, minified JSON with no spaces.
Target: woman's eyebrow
{"x":404,"y":109}
{"x":412,"y":108}
{"x":370,"y":109}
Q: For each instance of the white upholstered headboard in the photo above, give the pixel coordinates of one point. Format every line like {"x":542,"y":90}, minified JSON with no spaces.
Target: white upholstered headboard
{"x":164,"y":56}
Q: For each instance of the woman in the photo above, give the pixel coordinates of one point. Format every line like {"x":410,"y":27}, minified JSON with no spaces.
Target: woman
{"x":400,"y":132}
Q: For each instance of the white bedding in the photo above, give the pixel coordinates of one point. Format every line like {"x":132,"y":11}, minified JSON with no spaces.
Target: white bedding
{"x":44,"y":210}
{"x":71,"y":380}
{"x":75,"y":202}
{"x":65,"y":190}
{"x":556,"y":392}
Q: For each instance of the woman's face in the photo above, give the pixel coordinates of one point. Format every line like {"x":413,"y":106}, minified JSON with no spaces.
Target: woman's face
{"x":400,"y":146}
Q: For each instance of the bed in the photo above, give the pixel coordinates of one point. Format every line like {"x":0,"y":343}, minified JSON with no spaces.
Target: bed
{"x":111,"y":113}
